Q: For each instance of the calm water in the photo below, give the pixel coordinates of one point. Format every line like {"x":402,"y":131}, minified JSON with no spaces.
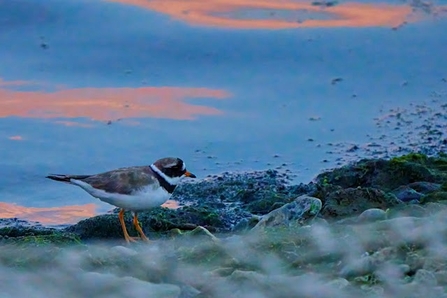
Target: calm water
{"x":87,"y":86}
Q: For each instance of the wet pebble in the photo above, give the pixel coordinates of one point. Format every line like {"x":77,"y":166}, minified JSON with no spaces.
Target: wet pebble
{"x":425,"y":187}
{"x":371,"y":215}
{"x":338,"y":283}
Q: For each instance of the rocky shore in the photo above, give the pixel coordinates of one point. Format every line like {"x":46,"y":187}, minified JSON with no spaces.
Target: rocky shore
{"x":376,"y":227}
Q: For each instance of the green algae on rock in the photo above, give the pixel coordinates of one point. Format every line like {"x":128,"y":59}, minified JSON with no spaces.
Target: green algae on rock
{"x":435,"y":197}
{"x":155,"y":221}
{"x":14,"y":227}
{"x":388,"y":174}
{"x":353,"y":201}
{"x":58,"y":238}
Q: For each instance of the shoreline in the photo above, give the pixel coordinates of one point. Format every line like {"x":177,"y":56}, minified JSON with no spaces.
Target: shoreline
{"x":246,"y":196}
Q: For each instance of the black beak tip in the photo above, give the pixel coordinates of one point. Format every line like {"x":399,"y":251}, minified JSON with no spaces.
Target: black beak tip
{"x":192,"y":176}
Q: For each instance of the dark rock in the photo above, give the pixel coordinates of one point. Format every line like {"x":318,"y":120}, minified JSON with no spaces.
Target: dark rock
{"x":100,"y":227}
{"x":407,"y":194}
{"x":269,"y":202}
{"x":352,"y":201}
{"x":236,"y":196}
{"x":154,"y":221}
{"x":388,"y":174}
{"x":434,"y":197}
{"x":424,"y":187}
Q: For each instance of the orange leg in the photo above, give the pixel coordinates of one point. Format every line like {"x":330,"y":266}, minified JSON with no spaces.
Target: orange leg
{"x":123,"y":225}
{"x":137,"y":226}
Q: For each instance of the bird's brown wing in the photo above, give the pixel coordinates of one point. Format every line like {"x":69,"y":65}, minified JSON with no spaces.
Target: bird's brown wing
{"x":123,"y":181}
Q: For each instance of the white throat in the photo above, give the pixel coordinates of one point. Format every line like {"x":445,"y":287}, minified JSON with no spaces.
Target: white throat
{"x":170,"y":180}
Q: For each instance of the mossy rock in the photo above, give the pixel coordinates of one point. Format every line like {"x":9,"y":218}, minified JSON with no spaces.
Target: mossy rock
{"x":425,"y":187}
{"x":268,"y":203}
{"x":388,"y":174}
{"x":101,"y":227}
{"x":14,"y":227}
{"x":353,"y":201}
{"x":185,"y":218}
{"x":56,"y":239}
{"x":434,"y":197}
{"x":155,"y":223}
{"x":200,"y":216}
{"x":20,"y":231}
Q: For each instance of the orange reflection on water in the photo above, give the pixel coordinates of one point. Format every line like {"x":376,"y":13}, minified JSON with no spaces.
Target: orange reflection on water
{"x":107,"y":103}
{"x":206,"y":12}
{"x":50,"y":215}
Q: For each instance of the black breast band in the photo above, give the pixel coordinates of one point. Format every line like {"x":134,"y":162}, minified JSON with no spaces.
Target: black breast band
{"x":163,"y":183}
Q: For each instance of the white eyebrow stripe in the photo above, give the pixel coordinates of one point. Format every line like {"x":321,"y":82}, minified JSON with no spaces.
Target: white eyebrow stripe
{"x":184,"y":167}
{"x":170,"y":165}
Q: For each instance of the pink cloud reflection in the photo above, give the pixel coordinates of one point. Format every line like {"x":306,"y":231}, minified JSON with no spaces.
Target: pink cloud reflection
{"x":105,"y":104}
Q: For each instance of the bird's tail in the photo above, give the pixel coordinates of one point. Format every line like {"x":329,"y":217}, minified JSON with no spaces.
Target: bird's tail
{"x":66,"y":178}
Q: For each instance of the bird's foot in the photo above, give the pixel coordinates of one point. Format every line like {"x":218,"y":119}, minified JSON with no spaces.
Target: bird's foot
{"x":131,"y":239}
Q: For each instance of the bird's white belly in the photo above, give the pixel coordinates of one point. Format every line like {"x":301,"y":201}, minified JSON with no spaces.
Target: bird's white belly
{"x":146,"y":198}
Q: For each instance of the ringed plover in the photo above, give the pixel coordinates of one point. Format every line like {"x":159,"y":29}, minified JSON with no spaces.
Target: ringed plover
{"x":132,"y":188}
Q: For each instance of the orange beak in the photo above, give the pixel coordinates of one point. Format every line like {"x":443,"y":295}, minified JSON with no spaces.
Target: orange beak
{"x":189,"y":174}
